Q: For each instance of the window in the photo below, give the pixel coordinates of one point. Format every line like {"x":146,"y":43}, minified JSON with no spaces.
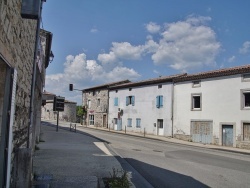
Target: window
{"x":245,"y":98}
{"x":130,"y":100}
{"x":94,"y":93}
{"x":91,"y":120}
{"x":197,"y":83}
{"x":159,"y":101}
{"x":160,"y":86}
{"x":116,"y":101}
{"x":196,"y":101}
{"x":129,"y":122}
{"x":115,"y":121}
{"x":89,"y":103}
{"x":98,"y":102}
{"x":138,"y":122}
{"x":160,"y":123}
{"x":130,"y":89}
{"x":116,"y":91}
{"x":246,"y":131}
{"x":246,"y":77}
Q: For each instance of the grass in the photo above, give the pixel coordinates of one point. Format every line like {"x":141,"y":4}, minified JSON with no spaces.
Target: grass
{"x":117,"y":181}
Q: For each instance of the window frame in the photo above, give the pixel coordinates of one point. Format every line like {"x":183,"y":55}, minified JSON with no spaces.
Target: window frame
{"x":243,"y":99}
{"x":193,"y":95}
{"x":195,"y":84}
{"x":129,"y":122}
{"x":98,"y":102}
{"x":91,"y":119}
{"x":89,"y":103}
{"x":138,"y":122}
{"x":159,"y":101}
{"x":130,"y":100}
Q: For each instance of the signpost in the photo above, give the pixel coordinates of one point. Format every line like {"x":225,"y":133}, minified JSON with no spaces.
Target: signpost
{"x":58,"y":106}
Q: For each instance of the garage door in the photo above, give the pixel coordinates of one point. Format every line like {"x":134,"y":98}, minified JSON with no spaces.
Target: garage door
{"x":201,"y":131}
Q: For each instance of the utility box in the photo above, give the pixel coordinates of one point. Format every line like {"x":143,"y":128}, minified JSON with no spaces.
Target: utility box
{"x":58,"y":104}
{"x":31,"y":9}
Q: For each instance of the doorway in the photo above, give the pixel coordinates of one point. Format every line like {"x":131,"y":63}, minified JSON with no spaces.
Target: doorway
{"x":104,"y":121}
{"x":227,"y":135}
{"x":160,"y":127}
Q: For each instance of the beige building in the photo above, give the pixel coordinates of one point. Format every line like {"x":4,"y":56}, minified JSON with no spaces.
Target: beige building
{"x":20,"y":92}
{"x":96,"y":100}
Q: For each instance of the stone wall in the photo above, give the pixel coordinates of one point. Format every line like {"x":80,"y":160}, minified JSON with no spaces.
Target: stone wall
{"x":17,"y":44}
{"x":68,"y":115}
{"x":98,"y":109}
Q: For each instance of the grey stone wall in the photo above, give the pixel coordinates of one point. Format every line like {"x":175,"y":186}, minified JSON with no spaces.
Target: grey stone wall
{"x":97,"y":109}
{"x":68,"y":115}
{"x":17,"y":44}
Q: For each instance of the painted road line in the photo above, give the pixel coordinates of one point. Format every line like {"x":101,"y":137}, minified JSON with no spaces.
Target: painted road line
{"x":102,"y":147}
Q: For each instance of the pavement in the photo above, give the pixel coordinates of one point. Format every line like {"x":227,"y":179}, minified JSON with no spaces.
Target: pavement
{"x":76,"y":159}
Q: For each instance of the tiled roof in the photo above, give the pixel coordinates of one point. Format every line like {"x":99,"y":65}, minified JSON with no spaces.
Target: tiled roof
{"x":148,"y":82}
{"x":107,"y":85}
{"x":214,"y":73}
{"x":48,"y":93}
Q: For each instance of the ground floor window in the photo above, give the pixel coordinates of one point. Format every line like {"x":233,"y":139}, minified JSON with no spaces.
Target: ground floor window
{"x":246,"y":131}
{"x":129,"y":122}
{"x":138,"y":122}
{"x":160,"y":123}
{"x":91,"y":119}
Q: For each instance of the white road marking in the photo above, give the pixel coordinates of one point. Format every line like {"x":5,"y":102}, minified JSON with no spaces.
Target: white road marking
{"x":102,"y":147}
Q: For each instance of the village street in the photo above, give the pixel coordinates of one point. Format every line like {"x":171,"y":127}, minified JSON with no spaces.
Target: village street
{"x":164,"y":164}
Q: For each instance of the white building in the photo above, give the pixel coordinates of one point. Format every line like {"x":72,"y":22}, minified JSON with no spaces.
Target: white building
{"x":214,"y":107}
{"x":142,"y":106}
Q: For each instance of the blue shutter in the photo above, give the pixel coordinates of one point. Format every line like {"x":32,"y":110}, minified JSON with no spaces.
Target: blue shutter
{"x":157,"y":102}
{"x":116,"y":101}
{"x":127,"y":101}
{"x":133,"y":100}
{"x":161,"y":101}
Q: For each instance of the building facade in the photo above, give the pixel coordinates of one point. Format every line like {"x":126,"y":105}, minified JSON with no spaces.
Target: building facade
{"x":19,"y":112}
{"x":144,"y":107}
{"x":95,"y":101}
{"x":214,"y":107}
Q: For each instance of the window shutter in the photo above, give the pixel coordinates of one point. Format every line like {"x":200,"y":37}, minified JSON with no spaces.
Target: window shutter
{"x":127,"y":101}
{"x":161,"y":101}
{"x":157,"y":102}
{"x":133,"y":100}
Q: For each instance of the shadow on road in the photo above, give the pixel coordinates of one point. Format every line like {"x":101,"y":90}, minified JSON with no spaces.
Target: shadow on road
{"x":159,"y":177}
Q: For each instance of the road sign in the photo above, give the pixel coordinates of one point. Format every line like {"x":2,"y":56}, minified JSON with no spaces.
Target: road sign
{"x":58,"y":103}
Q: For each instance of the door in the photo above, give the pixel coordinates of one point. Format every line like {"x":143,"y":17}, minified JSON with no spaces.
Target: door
{"x":246,"y":131}
{"x":201,"y":131}
{"x":7,"y":104}
{"x":119,"y":124}
{"x":104,"y":121}
{"x":227,"y":135}
{"x":160,"y":127}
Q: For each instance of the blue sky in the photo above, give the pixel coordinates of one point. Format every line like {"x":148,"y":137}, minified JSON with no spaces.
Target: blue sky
{"x":97,"y":41}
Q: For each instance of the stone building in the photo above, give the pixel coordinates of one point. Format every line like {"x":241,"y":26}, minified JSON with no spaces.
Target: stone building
{"x":69,"y":113}
{"x":96,"y":100}
{"x":20,"y":92}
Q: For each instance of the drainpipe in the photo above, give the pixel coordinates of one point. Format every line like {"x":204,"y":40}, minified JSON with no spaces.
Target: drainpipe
{"x":172,"y":110}
{"x":33,"y":84}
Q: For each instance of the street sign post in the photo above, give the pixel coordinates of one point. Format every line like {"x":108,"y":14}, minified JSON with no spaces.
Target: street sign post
{"x":58,"y":106}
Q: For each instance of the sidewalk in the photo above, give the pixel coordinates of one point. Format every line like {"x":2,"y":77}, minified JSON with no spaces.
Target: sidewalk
{"x":161,"y":138}
{"x":68,"y":159}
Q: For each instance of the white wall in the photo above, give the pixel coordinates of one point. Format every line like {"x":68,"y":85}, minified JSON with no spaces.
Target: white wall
{"x":144,"y":108}
{"x":221,"y":103}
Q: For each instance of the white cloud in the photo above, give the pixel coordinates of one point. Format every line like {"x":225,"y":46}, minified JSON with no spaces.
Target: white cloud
{"x":187,"y":44}
{"x":153,"y":27}
{"x":231,"y":59}
{"x":245,"y":47}
{"x":84,"y":73}
{"x":94,"y":30}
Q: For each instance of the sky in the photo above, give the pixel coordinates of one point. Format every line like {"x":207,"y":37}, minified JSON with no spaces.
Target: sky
{"x":101,"y":41}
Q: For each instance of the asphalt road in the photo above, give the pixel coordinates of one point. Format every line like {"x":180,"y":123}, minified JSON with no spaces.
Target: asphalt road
{"x":165,"y":164}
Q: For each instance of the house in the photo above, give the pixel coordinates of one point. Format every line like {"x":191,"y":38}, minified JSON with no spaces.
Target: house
{"x":24,"y":56}
{"x":213,"y":107}
{"x":69,"y":113}
{"x":144,"y":106}
{"x":95,"y":101}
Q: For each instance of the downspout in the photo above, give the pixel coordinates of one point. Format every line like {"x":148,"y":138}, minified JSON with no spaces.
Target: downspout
{"x":33,"y":84}
{"x":172,"y":109}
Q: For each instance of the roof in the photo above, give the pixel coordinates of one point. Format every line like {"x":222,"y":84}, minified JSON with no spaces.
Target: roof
{"x":215,"y":73}
{"x":106,"y":86}
{"x":148,"y":82}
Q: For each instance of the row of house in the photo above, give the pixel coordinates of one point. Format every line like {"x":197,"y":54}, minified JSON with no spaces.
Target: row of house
{"x":210,"y":107}
{"x":25,"y":52}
